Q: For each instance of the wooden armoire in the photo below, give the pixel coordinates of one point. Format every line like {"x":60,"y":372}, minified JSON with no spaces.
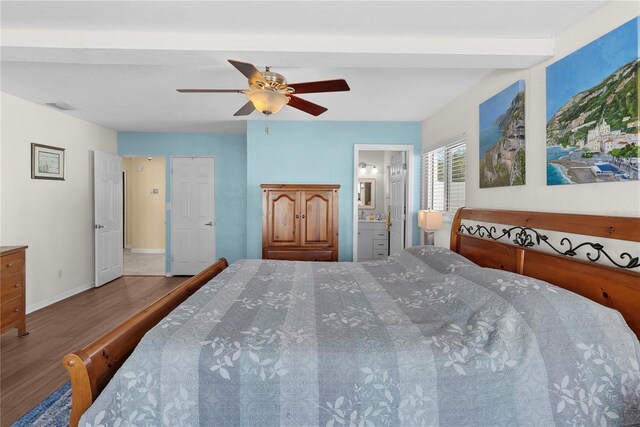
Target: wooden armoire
{"x":300,"y":222}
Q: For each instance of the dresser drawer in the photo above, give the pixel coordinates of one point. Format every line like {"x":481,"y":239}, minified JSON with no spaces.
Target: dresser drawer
{"x":11,"y":287}
{"x":379,"y":254}
{"x":379,"y":244}
{"x":380,"y":234}
{"x":11,"y":312}
{"x":12,"y":263}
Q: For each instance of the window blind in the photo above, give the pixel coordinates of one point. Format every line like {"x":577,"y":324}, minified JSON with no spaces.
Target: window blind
{"x":443,"y":177}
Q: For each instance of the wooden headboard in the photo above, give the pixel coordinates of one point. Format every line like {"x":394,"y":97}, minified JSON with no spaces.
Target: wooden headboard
{"x":615,"y":287}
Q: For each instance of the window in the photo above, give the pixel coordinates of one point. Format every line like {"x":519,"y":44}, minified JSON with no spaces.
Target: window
{"x":443,"y":177}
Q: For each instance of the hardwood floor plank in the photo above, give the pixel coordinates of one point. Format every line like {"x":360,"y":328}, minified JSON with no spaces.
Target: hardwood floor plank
{"x":31,"y":366}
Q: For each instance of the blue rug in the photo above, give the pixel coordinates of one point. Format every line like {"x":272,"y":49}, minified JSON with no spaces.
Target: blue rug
{"x":54,"y":411}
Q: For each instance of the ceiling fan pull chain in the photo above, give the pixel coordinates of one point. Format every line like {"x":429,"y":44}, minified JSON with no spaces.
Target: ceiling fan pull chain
{"x":266,"y":125}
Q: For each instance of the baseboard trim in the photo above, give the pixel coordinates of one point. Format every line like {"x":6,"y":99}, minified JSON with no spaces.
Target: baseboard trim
{"x":54,"y":299}
{"x":168,"y":275}
{"x":147,"y":251}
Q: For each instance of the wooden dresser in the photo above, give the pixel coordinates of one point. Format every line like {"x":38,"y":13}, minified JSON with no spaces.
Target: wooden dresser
{"x":300,"y":222}
{"x":12,"y":289}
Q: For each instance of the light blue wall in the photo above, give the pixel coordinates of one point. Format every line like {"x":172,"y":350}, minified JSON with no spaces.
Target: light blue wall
{"x":230,"y":152}
{"x":306,"y":152}
{"x":300,"y":152}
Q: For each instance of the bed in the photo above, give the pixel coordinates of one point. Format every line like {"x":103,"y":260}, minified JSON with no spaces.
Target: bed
{"x":430,"y":337}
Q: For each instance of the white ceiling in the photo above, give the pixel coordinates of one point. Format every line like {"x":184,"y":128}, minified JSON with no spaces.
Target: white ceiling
{"x":119,"y":63}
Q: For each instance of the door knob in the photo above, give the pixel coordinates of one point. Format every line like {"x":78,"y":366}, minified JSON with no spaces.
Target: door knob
{"x":210,"y":224}
{"x":98,"y":226}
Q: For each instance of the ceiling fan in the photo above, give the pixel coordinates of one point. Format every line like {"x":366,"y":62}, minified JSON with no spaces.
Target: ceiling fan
{"x":268,"y":91}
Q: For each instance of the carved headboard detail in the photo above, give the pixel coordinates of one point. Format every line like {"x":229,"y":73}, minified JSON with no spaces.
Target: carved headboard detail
{"x":616,"y":287}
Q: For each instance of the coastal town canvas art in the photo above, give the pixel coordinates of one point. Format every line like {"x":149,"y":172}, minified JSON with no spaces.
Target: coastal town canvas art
{"x":502,"y":138}
{"x":592,"y":111}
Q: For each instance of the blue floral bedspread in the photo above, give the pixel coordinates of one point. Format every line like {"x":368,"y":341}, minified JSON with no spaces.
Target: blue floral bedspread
{"x":423,"y":339}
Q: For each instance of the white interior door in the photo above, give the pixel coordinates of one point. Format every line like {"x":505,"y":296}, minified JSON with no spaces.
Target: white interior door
{"x":398,"y":204}
{"x":193,"y":238}
{"x":107,"y":202}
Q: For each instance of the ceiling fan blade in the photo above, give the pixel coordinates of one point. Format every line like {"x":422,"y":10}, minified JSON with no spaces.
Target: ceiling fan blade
{"x":321,"y":86}
{"x":306,"y":106}
{"x":246,"y":109}
{"x":249,"y":70}
{"x":210,"y":90}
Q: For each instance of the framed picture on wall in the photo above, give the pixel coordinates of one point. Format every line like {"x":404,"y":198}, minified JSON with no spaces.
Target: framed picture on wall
{"x":502,"y":138}
{"x":47,"y":162}
{"x":592,"y":111}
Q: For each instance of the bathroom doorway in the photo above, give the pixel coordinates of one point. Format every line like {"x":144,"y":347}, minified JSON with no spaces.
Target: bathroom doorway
{"x":382,"y":222}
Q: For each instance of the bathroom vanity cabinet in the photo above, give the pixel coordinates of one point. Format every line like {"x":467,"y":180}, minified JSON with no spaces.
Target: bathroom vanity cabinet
{"x":373,"y":240}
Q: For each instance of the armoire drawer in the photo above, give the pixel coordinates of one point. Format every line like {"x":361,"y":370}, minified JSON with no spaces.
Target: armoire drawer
{"x":301,"y":255}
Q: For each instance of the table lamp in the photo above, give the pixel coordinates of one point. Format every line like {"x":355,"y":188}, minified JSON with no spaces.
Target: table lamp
{"x":429,"y":221}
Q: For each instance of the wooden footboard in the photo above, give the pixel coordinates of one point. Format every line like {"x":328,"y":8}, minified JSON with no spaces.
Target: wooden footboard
{"x":92,"y":367}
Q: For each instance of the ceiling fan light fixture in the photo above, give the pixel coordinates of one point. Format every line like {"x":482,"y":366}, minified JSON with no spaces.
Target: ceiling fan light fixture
{"x":267,"y":101}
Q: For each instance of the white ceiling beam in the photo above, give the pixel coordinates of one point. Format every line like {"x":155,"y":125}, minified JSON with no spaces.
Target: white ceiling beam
{"x":438,"y":52}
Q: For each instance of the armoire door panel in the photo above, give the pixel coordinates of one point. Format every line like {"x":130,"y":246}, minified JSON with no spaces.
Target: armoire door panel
{"x":284,"y":224}
{"x":316,"y":218}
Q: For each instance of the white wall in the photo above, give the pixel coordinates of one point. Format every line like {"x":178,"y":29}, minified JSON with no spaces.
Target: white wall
{"x":55,"y":218}
{"x":462,"y":116}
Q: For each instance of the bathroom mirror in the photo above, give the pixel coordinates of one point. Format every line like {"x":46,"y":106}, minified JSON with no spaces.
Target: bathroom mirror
{"x":366,"y":193}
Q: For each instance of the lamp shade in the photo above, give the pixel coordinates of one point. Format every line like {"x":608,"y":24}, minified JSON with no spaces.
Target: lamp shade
{"x":429,"y":220}
{"x":268,"y":101}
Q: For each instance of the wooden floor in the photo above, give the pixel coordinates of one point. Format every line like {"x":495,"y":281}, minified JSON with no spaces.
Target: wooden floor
{"x":31,"y":366}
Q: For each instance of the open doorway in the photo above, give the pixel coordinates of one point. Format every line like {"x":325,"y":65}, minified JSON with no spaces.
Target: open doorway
{"x":144,"y":215}
{"x":382,"y":222}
